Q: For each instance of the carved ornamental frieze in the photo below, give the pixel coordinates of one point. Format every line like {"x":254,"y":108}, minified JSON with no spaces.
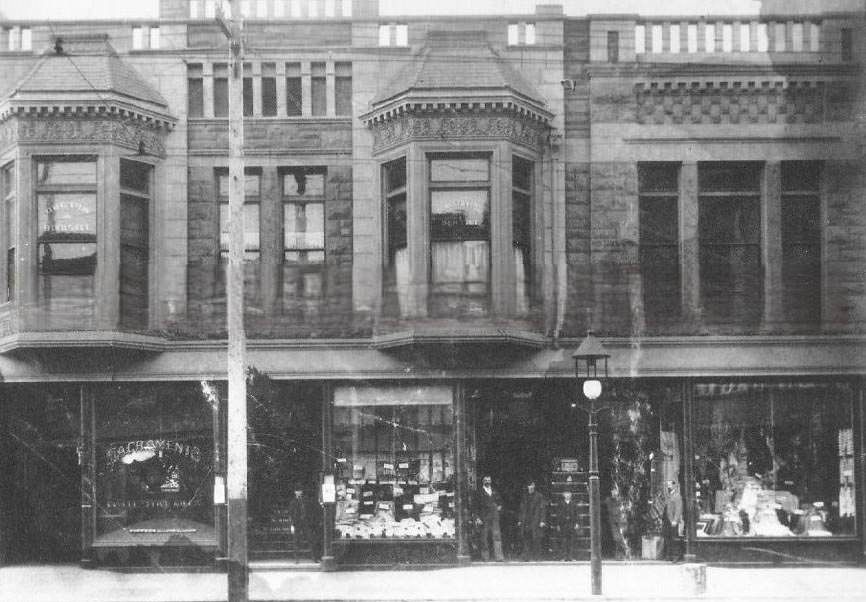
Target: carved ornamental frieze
{"x":453,"y":127}
{"x":72,"y":130}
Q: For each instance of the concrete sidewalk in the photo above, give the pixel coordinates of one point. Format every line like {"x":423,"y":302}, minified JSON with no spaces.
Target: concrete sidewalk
{"x":510,"y":582}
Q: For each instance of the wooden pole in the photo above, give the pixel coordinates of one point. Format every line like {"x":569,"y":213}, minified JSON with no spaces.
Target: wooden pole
{"x":236,"y":448}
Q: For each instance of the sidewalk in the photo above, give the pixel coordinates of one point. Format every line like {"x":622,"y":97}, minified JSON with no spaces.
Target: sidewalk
{"x":512,"y":582}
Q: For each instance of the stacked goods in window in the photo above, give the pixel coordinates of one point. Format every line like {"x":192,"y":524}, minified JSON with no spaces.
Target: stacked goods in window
{"x":847,"y":499}
{"x":569,"y":527}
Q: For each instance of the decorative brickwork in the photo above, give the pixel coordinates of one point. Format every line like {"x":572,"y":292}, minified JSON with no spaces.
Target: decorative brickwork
{"x":731,"y":102}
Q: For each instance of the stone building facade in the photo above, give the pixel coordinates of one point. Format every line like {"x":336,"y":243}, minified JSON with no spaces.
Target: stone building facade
{"x":437,"y":211}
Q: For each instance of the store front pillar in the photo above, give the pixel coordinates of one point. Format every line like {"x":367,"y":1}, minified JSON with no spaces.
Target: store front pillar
{"x":328,"y":562}
{"x":691,"y":503}
{"x":87,"y":464}
{"x":461,"y":487}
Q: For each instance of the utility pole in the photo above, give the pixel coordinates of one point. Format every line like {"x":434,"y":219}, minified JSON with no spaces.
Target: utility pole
{"x":236,"y":448}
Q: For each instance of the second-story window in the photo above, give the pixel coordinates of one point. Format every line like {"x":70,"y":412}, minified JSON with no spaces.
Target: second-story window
{"x":801,"y":241}
{"x":303,"y":193}
{"x":396,"y":279}
{"x":522,"y":178}
{"x":729,"y":230}
{"x":252,"y":227}
{"x":658,"y":250}
{"x":10,"y":222}
{"x":66,"y":244}
{"x":459,"y":235}
{"x":613,"y":46}
{"x":135,"y":191}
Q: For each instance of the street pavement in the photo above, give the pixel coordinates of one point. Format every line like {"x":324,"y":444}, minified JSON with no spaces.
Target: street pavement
{"x":537,"y":582}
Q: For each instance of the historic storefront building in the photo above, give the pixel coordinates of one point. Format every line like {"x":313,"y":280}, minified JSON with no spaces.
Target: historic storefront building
{"x":437,"y":210}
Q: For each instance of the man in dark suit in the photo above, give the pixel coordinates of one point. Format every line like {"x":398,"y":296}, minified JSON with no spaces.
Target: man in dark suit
{"x":488,"y":506}
{"x":531,"y":521}
{"x":567,"y":525}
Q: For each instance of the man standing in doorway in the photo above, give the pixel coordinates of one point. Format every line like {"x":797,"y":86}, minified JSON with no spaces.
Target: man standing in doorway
{"x":531,"y":521}
{"x":488,"y":506}
{"x":567,"y":526}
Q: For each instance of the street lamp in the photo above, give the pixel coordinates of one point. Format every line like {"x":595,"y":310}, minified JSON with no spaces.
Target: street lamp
{"x":587,"y":360}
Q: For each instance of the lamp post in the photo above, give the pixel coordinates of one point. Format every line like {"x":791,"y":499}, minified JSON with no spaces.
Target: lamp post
{"x":587,"y":358}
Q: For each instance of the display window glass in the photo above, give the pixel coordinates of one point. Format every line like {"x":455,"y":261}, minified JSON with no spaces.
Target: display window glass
{"x":394,"y":462}
{"x":774,"y":460}
{"x":154,"y":465}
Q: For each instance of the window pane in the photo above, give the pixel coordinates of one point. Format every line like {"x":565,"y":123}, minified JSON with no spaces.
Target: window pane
{"x":402,"y":35}
{"x":658,"y":177}
{"x":745,"y":37}
{"x":293,"y":96}
{"x":269,"y":96}
{"x":303,"y":226}
{"x":248,"y":96}
{"x":692,"y":37}
{"x":220,"y":97}
{"x":395,"y":175}
{"x":460,"y":170}
{"x":67,"y":217}
{"x":774,"y":460}
{"x":729,"y":177}
{"x":460,"y":215}
{"x":384,"y":35}
{"x":343,"y":93}
{"x":301,"y":182}
{"x":657,"y":38}
{"x":50,"y":173}
{"x":674,"y":33}
{"x":640,"y":39}
{"x":394,"y":462}
{"x":67,"y":258}
{"x":530,"y":34}
{"x":709,"y":38}
{"x":135,"y":176}
{"x":195,"y":96}
{"x":318,"y":92}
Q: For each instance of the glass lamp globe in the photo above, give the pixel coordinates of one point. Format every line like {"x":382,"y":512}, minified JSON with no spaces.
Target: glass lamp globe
{"x":592,"y":388}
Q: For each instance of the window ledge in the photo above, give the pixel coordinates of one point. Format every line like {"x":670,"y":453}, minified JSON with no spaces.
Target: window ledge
{"x":464,"y":335}
{"x":81,"y":339}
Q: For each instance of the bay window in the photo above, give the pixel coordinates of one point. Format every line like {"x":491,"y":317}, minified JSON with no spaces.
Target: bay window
{"x":521,"y":230}
{"x":65,"y":192}
{"x":10,"y":225}
{"x":135,"y":185}
{"x":459,"y":235}
{"x":396,"y":279}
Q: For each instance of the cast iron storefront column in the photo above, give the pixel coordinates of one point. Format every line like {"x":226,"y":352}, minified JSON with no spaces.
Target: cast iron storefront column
{"x":690,"y":506}
{"x":87,"y":463}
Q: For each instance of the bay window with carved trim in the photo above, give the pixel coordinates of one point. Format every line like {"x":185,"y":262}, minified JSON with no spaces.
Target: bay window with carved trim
{"x":66,"y":191}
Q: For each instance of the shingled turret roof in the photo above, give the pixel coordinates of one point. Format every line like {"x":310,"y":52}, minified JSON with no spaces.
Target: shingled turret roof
{"x":461,"y":68}
{"x":83,"y":73}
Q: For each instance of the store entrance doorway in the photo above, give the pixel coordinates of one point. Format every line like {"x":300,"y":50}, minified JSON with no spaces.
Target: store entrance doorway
{"x":40,"y":479}
{"x":521,"y":431}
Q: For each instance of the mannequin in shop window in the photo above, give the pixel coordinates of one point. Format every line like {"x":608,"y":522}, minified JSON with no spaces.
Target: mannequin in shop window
{"x":531,"y":521}
{"x":488,"y":506}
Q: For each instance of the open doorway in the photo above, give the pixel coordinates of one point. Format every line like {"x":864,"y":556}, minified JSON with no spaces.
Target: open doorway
{"x":522,"y":430}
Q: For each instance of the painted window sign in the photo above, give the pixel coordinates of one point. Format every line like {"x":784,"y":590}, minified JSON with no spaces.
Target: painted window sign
{"x":67,"y":216}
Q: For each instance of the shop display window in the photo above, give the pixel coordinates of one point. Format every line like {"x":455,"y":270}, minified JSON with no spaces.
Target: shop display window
{"x":394,"y":462}
{"x":154,"y":465}
{"x":774,"y":460}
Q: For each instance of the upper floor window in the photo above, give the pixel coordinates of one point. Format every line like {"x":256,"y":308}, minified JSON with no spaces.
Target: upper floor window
{"x":521,"y":34}
{"x":135,"y":196}
{"x":613,"y":46}
{"x":248,"y":90}
{"x":220,"y":90}
{"x":459,"y":235}
{"x":522,"y":190}
{"x":8,"y":192}
{"x":396,"y":255}
{"x":318,"y":89}
{"x":394,"y":34}
{"x":18,"y":38}
{"x":729,"y":230}
{"x":144,"y":37}
{"x":252,"y":198}
{"x":195,"y":90}
{"x":269,"y":90}
{"x":294,"y":94}
{"x":658,"y":251}
{"x":303,"y":194}
{"x":65,"y":190}
{"x":847,"y":44}
{"x":343,"y":88}
{"x":801,"y":241}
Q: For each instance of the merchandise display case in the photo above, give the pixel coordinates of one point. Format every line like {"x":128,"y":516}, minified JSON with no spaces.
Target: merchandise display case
{"x":394,"y":464}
